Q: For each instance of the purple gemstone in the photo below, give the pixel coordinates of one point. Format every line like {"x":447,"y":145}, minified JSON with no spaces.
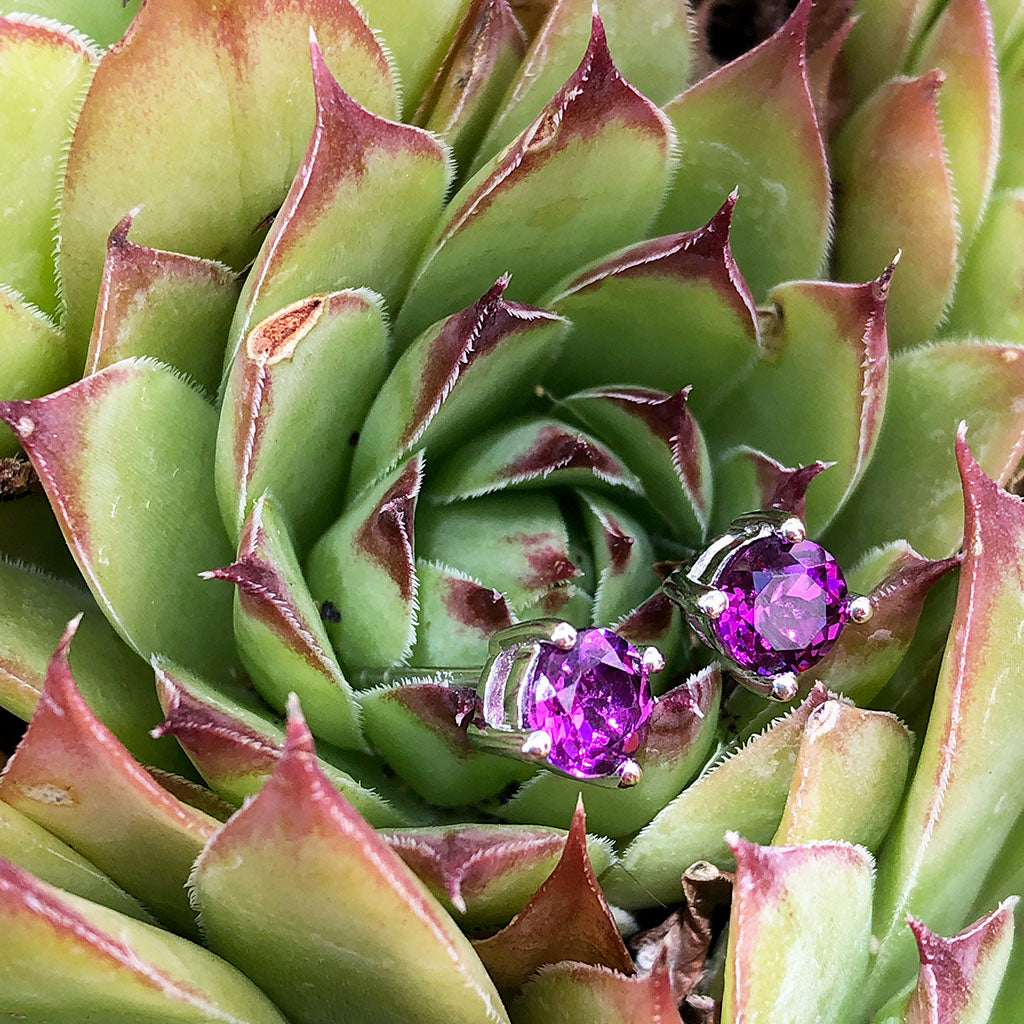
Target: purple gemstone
{"x":787,"y":605}
{"x":594,"y":701}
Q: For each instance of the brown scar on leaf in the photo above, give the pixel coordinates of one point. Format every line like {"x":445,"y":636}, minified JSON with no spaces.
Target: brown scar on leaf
{"x":277,"y":337}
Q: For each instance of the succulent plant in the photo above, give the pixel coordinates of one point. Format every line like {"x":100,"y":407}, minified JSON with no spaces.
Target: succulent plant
{"x":369,"y":333}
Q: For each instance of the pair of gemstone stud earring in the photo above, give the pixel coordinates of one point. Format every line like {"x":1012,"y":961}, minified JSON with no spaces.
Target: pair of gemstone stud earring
{"x":770,"y":602}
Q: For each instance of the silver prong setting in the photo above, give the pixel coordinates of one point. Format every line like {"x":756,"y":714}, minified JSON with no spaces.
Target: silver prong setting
{"x":713,"y":603}
{"x":629,"y":773}
{"x":793,"y":530}
{"x":861,"y":609}
{"x":784,"y":687}
{"x":537,"y":745}
{"x":563,"y":636}
{"x":653,"y":660}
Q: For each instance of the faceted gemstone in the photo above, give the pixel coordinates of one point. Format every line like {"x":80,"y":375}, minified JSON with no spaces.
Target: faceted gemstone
{"x":594,"y":701}
{"x":787,"y":605}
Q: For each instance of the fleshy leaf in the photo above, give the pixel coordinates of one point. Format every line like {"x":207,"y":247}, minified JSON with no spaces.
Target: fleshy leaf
{"x":963,"y":790}
{"x":663,"y":445}
{"x":569,"y":993}
{"x":173,"y":307}
{"x":235,"y":745}
{"x":186,"y":73}
{"x":699,"y":326}
{"x":358,"y":214}
{"x":567,"y":918}
{"x":960,"y":977}
{"x":485,"y":874}
{"x":657,"y":622}
{"x":455,"y":379}
{"x":44,"y":71}
{"x":33,"y":355}
{"x":658,"y":69}
{"x":104,"y":23}
{"x":881,"y":41}
{"x":114,"y":682}
{"x":549,"y":196}
{"x":962,"y":44}
{"x":65,"y":959}
{"x":457,"y":615}
{"x":517,"y":543}
{"x":849,"y":777}
{"x":281,"y":637}
{"x":134,"y":501}
{"x":527,"y":453}
{"x":71,"y":776}
{"x":297,"y":390}
{"x":752,"y":124}
{"x":365,"y":567}
{"x":416,"y":39}
{"x":799,"y":932}
{"x":318,"y":868}
{"x":832,"y":354}
{"x":31,"y":847}
{"x":478,"y":70}
{"x":747,"y":790}
{"x":896,"y":193}
{"x":414,"y":724}
{"x":1010,"y":173}
{"x":1007,"y":19}
{"x":679,"y":739}
{"x":919,"y":498}
{"x":989,"y":301}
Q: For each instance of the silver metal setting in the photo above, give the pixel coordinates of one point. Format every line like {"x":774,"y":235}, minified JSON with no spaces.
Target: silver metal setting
{"x":693,"y":588}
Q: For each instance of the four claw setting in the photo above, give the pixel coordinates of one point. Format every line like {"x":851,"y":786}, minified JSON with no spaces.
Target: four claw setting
{"x":771,"y":602}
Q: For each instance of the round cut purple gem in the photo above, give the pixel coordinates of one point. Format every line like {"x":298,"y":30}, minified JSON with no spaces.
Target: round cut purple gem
{"x":787,"y":605}
{"x":593,"y":700}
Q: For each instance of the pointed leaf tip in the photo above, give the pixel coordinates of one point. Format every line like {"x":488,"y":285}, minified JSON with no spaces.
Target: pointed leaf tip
{"x":298,"y":739}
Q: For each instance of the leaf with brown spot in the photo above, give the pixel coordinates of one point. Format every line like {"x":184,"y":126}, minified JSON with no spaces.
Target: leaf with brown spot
{"x":485,"y":874}
{"x":297,"y":860}
{"x":74,"y":778}
{"x":567,"y":918}
{"x":172,"y":307}
{"x":769,"y":483}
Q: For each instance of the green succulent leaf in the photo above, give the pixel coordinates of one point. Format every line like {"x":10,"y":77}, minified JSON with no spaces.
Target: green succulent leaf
{"x":659,"y":72}
{"x":962,"y":790}
{"x":897,"y":193}
{"x":364,"y":565}
{"x":295,"y":396}
{"x":64,"y":960}
{"x":830,"y":345}
{"x":358,"y":214}
{"x":320,"y":869}
{"x":413,"y":724}
{"x":71,"y":776}
{"x":962,"y":44}
{"x":919,"y":498}
{"x":1010,"y":173}
{"x":746,"y":791}
{"x":989,"y":302}
{"x":567,"y":918}
{"x":735,"y":130}
{"x":849,"y":778}
{"x":186,"y":73}
{"x":569,"y":993}
{"x":33,"y":356}
{"x":484,"y":875}
{"x":799,"y":932}
{"x":1007,"y":19}
{"x":657,"y":622}
{"x":665,"y":446}
{"x":680,"y":736}
{"x":114,"y":682}
{"x":477,"y":73}
{"x":235,"y":744}
{"x":549,"y":196}
{"x":698,"y":328}
{"x":281,"y":637}
{"x":455,"y":379}
{"x":44,"y":71}
{"x":134,"y":502}
{"x":172,"y":307}
{"x":29,"y":846}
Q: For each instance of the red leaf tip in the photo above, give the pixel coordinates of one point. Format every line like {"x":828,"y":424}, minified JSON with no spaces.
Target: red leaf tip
{"x":298,"y":738}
